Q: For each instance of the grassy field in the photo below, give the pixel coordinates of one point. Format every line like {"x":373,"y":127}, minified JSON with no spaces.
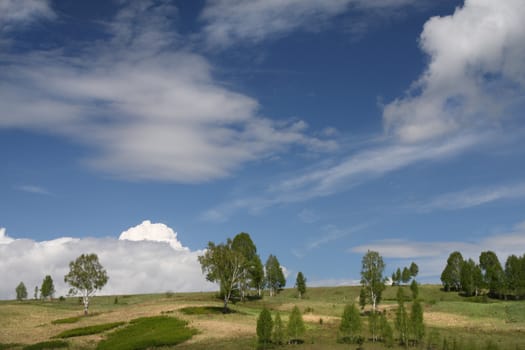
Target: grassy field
{"x":194,"y":321}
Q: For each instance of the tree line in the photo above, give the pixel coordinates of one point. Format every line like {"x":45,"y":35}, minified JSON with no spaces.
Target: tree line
{"x":486,"y":277}
{"x":47,"y":290}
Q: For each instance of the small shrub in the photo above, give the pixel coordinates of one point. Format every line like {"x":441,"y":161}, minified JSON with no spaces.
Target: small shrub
{"x":52,"y":344}
{"x":170,"y":294}
{"x":95,"y":329}
{"x":278,"y":330}
{"x":62,"y":298}
{"x":308,"y":309}
{"x":67,"y":320}
{"x":296,"y":326}
{"x":115,"y":301}
{"x":264,"y":328}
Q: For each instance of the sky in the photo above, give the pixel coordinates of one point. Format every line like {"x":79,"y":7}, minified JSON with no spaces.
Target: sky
{"x":141,"y":130}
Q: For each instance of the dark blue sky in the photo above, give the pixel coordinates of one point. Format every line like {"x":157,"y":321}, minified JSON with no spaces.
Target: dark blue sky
{"x":322,"y":128}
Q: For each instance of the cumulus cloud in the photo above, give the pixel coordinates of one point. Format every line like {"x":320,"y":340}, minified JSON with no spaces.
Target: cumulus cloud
{"x":147,"y":258}
{"x":475,"y":75}
{"x":431,"y":256}
{"x":232,"y":21}
{"x":149,"y":108}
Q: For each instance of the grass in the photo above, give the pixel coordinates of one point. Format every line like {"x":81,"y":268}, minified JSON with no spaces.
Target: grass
{"x":470,"y":322}
{"x":89,"y":330}
{"x":52,"y":344}
{"x":148,"y":332}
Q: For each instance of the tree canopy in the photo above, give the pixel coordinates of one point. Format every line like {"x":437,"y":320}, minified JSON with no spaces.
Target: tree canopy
{"x":47,"y":290}
{"x":372,"y":278}
{"x":86,"y":276}
{"x":274,"y":275}
{"x":21,"y":291}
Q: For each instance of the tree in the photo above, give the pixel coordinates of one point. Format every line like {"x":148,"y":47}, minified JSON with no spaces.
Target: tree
{"x":350,"y":328}
{"x":515,"y":275}
{"x":264,"y":328}
{"x":86,"y":276}
{"x":296,"y":326}
{"x":257,"y":276}
{"x":300,"y":284}
{"x":47,"y":290}
{"x":402,"y":321}
{"x":470,"y":277}
{"x":396,"y":277}
{"x":278,"y":330}
{"x":493,"y":276}
{"x":416,"y":322}
{"x":372,"y":278}
{"x":21,"y":291}
{"x":224,"y":265}
{"x":387,"y":335}
{"x":414,"y":270}
{"x":415,"y":289}
{"x":243,"y":244}
{"x":373,"y":325}
{"x":451,"y":275}
{"x":405,"y":275}
{"x":274,"y":275}
{"x":35,"y":296}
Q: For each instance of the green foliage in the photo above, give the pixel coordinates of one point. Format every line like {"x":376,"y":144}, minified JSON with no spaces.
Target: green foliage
{"x":451,"y":275}
{"x":47,"y":290}
{"x":405,"y":275}
{"x":86,"y":276}
{"x":416,"y":322}
{"x":278,"y":330}
{"x":493,"y":276}
{"x":264,"y":328}
{"x":274,"y":275}
{"x":296,"y":326}
{"x":414,"y":270}
{"x":470,"y":277}
{"x":372,"y":278}
{"x":224,"y":265}
{"x":362,"y":298}
{"x":51,"y":344}
{"x":414,"y":288}
{"x":350,"y":327}
{"x":374,"y":325}
{"x":148,"y":332}
{"x":387,"y":335}
{"x":204,"y":310}
{"x":21,"y":291}
{"x":251,"y":267}
{"x":402,"y":321}
{"x":300,"y":284}
{"x":95,"y":329}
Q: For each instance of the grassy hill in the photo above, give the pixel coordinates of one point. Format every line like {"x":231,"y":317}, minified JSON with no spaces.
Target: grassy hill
{"x":194,"y":321}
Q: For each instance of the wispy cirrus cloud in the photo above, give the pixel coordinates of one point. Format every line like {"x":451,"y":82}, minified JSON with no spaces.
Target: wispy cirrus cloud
{"x":146,"y":106}
{"x":33,"y":189}
{"x":229,"y":22}
{"x":473,"y":197}
{"x":15,"y":13}
{"x":326,"y":235}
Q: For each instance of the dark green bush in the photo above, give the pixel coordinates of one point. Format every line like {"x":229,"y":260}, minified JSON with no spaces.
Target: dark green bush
{"x":95,"y":329}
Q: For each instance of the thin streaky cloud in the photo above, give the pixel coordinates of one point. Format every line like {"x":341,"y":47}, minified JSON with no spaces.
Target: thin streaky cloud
{"x":473,"y":197}
{"x":34,"y":189}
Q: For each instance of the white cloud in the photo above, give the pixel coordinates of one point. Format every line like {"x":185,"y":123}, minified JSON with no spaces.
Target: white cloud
{"x":475,"y":75}
{"x":149,"y":108}
{"x":16,"y":13}
{"x":33,"y":189}
{"x":431,"y":256}
{"x":335,"y":282}
{"x":326,"y":235}
{"x":474,"y":197}
{"x":233,"y":21}
{"x":324,"y":180}
{"x":308,"y":216}
{"x":153,"y":262}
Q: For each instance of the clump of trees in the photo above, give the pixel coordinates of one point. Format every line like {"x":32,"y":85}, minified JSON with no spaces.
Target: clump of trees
{"x":405,"y":275}
{"x":272,"y":331}
{"x":237,"y":268}
{"x":488,"y":275}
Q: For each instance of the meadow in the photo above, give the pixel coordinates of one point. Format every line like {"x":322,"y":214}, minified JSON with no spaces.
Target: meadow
{"x":195,"y":321}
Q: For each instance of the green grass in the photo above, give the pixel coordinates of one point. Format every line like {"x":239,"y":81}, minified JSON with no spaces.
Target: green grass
{"x":52,"y":344}
{"x":205,"y":310}
{"x":67,"y":320}
{"x":95,"y":329}
{"x":148,"y":332}
{"x":8,"y":346}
